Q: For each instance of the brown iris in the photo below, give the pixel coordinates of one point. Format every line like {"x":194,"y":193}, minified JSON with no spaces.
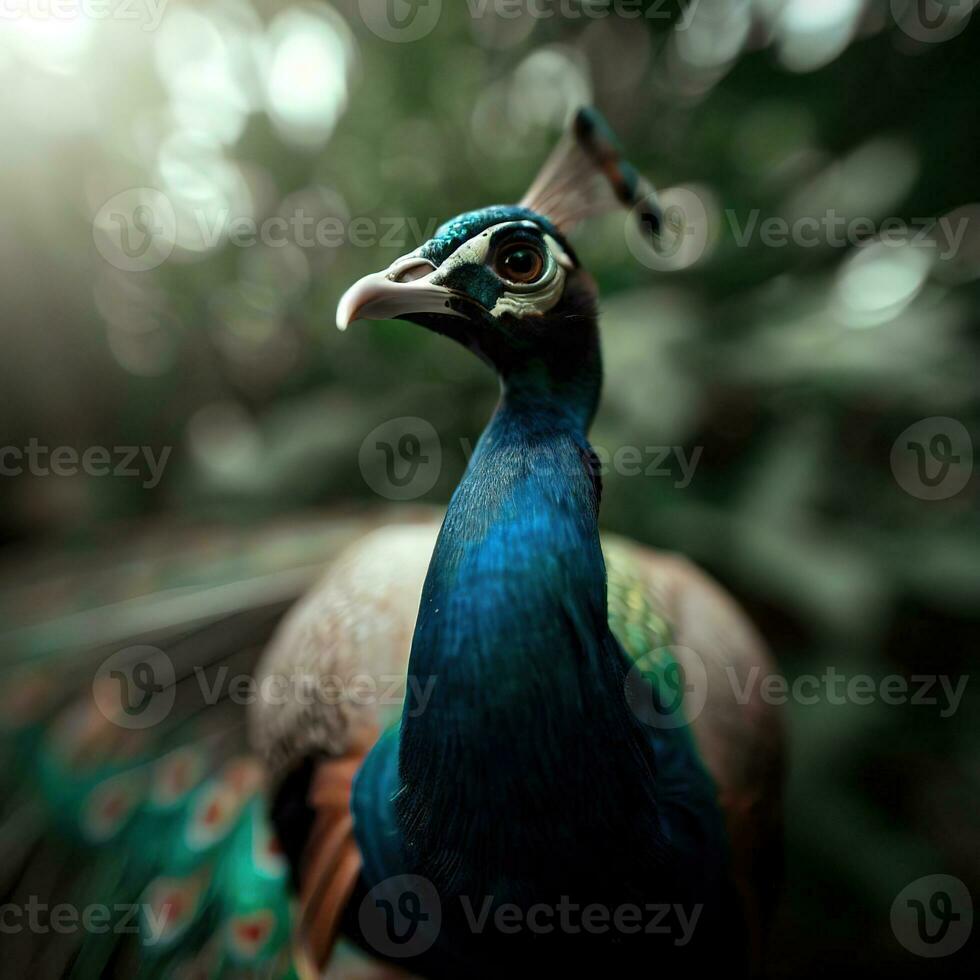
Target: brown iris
{"x":519,"y":262}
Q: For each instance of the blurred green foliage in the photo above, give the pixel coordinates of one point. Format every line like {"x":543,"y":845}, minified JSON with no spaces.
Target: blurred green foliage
{"x":789,"y":369}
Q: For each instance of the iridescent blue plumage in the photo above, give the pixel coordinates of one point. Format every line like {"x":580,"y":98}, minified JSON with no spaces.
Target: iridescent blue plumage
{"x":516,"y":780}
{"x":528,"y":779}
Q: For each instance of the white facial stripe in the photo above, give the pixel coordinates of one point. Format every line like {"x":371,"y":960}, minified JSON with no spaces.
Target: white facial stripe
{"x":528,"y":302}
{"x":525,"y":304}
{"x":561,"y":256}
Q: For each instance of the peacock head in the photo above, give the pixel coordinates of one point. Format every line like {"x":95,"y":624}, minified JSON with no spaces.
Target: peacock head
{"x":504,"y":280}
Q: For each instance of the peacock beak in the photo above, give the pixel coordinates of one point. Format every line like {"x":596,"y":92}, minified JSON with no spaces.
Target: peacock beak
{"x":405,"y":287}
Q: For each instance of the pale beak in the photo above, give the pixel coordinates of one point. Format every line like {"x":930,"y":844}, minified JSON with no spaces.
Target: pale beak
{"x":404,"y":287}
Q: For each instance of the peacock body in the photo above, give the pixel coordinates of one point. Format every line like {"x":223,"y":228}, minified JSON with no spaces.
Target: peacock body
{"x":563,"y":729}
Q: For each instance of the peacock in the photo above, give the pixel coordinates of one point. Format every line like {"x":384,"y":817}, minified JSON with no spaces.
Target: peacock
{"x":483,"y":740}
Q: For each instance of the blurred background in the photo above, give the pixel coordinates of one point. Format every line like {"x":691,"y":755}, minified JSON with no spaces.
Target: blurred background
{"x":187,"y":189}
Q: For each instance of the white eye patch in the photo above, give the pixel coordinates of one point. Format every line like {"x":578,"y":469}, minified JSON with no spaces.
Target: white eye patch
{"x":517,"y":299}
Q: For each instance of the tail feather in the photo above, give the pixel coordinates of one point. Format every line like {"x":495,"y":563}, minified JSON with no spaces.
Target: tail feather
{"x":150,"y":842}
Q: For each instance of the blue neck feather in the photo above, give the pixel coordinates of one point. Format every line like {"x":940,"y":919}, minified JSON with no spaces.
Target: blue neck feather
{"x":527,"y":778}
{"x":507,"y":775}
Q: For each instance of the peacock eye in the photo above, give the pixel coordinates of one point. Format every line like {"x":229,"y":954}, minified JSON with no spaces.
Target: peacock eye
{"x":519,"y":262}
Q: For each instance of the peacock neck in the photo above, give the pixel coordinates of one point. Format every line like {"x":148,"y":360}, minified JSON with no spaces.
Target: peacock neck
{"x":533,"y":399}
{"x":563,"y":391}
{"x":527,"y":731}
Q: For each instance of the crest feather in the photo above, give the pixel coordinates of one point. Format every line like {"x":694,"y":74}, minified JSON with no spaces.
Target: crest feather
{"x":586,"y":175}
